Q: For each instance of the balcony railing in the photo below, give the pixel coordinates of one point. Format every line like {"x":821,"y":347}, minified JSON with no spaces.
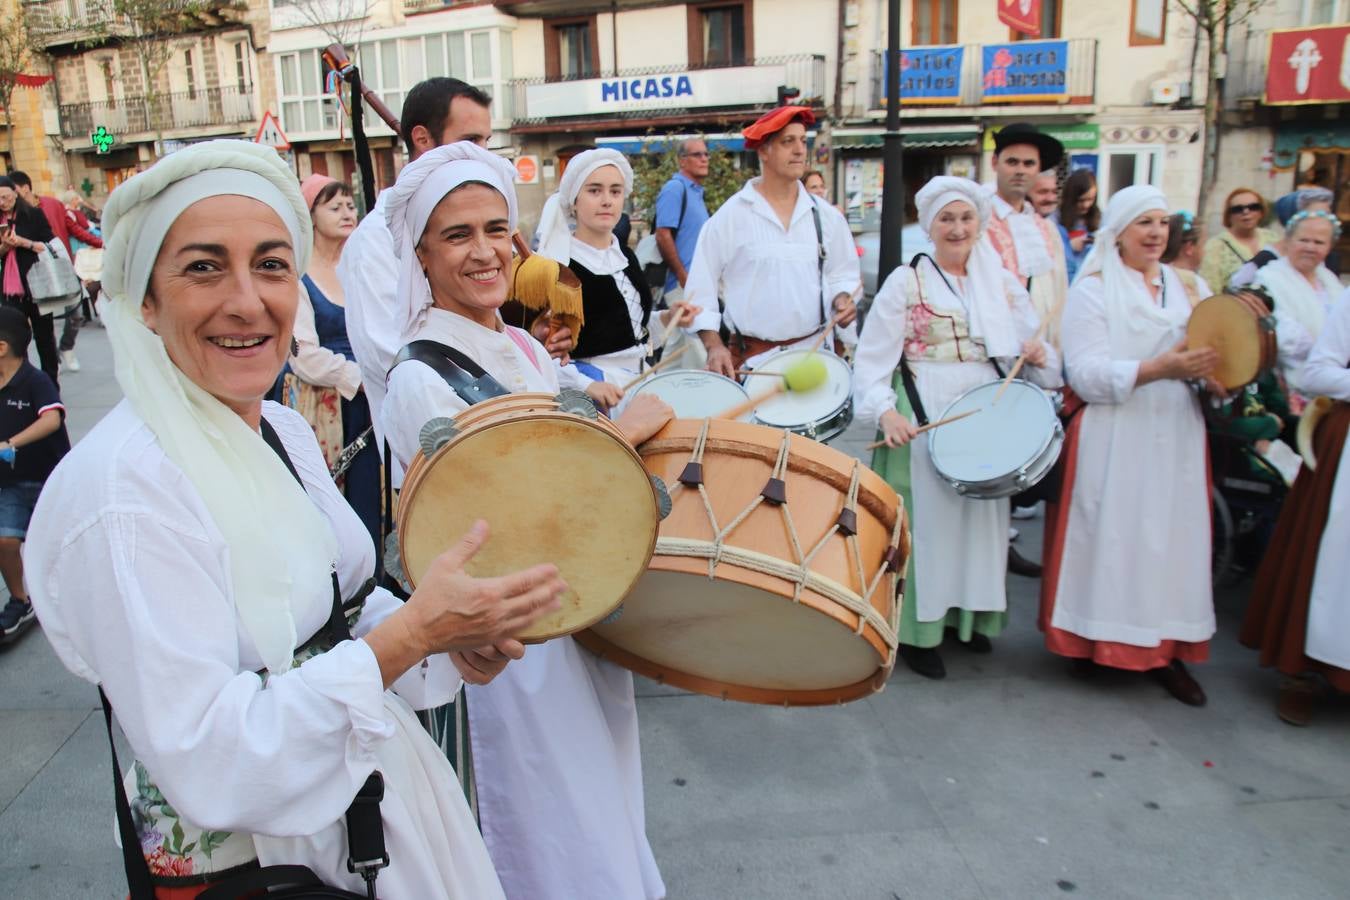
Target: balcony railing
{"x":57,"y":23}
{"x":168,"y":113}
{"x":670,"y":90}
{"x":1080,"y":78}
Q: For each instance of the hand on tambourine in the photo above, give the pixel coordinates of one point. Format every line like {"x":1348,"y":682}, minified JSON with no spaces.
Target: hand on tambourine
{"x":644,"y":417}
{"x":486,"y":663}
{"x":605,"y":394}
{"x":1185,"y":365}
{"x":453,"y":612}
{"x":897,"y":430}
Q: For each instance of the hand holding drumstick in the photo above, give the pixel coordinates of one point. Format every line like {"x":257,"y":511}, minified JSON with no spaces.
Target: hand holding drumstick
{"x":906,"y":432}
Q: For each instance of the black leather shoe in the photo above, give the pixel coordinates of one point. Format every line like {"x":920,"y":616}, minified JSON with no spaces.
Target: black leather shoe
{"x":1020,"y":565}
{"x":1180,"y":684}
{"x":978,"y":643}
{"x":925,"y":661}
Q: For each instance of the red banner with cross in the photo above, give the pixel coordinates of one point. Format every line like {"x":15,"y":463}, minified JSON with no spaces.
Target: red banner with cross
{"x":1021,"y":15}
{"x":1308,"y":65}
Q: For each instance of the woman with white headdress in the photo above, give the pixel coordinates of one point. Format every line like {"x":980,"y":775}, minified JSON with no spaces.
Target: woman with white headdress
{"x":1127,"y":558}
{"x":945,"y":318}
{"x":621,"y":330}
{"x":554,"y":740}
{"x":193,"y":558}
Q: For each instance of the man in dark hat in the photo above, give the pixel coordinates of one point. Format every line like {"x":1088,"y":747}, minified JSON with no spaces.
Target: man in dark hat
{"x":784,"y":260}
{"x":1027,"y":243}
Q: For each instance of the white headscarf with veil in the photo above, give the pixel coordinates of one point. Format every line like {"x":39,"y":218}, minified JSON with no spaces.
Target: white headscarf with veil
{"x":421,"y":185}
{"x":989,"y":317}
{"x":280,"y":548}
{"x":555,"y":229}
{"x":1135,"y":323}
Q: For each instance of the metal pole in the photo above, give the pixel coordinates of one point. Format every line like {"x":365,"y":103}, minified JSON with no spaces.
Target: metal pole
{"x":893,"y":188}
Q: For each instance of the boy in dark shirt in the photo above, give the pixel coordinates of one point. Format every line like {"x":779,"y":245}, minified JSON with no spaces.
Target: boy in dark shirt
{"x":32,"y":441}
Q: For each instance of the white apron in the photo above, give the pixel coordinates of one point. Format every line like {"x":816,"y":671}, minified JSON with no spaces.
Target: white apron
{"x":1328,"y":638}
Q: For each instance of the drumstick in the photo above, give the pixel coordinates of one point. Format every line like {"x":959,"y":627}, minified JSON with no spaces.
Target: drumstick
{"x":829,"y":330}
{"x":656,"y":368}
{"x":930,"y":426}
{"x":806,"y":375}
{"x":1017,"y":366}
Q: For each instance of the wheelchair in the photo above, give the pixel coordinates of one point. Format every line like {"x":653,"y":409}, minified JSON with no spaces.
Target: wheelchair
{"x":1245,"y":507}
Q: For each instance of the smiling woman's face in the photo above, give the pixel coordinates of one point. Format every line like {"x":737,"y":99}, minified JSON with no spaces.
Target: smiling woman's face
{"x":222,"y":297}
{"x":1143,"y":241}
{"x":466,"y":252}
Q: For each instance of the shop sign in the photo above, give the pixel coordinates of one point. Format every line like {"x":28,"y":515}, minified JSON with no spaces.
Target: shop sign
{"x":1085,"y":136}
{"x":527,"y":169}
{"x":102,"y":139}
{"x":737,"y":86}
{"x":927,"y":75}
{"x":1026,"y":72}
{"x":1308,"y":65}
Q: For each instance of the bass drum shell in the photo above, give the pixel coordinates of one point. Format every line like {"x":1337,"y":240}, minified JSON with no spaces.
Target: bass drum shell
{"x":1004,"y":449}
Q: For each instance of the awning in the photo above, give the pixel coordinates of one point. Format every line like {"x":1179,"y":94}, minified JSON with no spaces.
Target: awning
{"x":914,"y":138}
{"x":630,"y":145}
{"x":1290,"y":140}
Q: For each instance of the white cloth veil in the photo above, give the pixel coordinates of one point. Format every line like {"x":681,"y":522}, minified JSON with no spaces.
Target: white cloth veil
{"x":555,"y":229}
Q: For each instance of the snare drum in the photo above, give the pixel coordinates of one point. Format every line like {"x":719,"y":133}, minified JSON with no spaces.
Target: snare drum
{"x":777,"y":575}
{"x":554,"y":486}
{"x":1002,"y":450}
{"x":694,"y":393}
{"x":1242,"y":329}
{"x":821,"y":414}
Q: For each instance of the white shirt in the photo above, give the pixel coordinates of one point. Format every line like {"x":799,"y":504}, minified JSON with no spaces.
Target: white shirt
{"x":769,"y":277}
{"x":368,"y":270}
{"x":131,"y":579}
{"x":1033,"y":257}
{"x":1326,"y":370}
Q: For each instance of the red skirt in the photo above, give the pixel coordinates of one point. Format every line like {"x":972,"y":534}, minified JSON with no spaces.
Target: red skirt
{"x":1276,"y":622}
{"x":1066,"y":643}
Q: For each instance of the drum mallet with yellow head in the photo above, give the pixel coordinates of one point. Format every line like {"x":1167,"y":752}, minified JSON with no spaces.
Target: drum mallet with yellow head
{"x":807,"y":374}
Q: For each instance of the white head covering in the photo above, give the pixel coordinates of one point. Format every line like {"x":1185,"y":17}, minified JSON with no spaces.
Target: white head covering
{"x":555,"y":228}
{"x":989,"y":315}
{"x":421,"y":185}
{"x":1135,"y":323}
{"x":241,"y":480}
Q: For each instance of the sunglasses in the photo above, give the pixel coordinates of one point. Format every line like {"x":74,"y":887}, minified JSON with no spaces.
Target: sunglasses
{"x":1238,"y":209}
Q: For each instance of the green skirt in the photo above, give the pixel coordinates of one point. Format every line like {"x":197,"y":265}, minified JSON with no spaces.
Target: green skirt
{"x":892,"y":464}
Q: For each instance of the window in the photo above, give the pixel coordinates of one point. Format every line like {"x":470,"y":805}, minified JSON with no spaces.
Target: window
{"x":379,"y":64}
{"x":934,"y":22}
{"x":105,"y":65}
{"x":1148,"y":22}
{"x":720,"y":33}
{"x":1324,"y":12}
{"x":570,"y":49}
{"x":191,"y":74}
{"x":449,"y":54}
{"x":304,"y":106}
{"x":1124,"y":166}
{"x":241,"y":78}
{"x":1050,"y":20}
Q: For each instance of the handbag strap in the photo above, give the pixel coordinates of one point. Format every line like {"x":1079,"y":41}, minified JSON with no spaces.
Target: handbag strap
{"x":820,"y":257}
{"x":138,"y":870}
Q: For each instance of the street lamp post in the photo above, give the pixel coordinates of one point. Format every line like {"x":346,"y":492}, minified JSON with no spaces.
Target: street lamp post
{"x":893,"y":186}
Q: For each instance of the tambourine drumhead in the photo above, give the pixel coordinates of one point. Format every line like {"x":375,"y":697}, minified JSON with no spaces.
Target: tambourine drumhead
{"x":1231,"y":326}
{"x":553,"y":488}
{"x":694,"y":393}
{"x":800,"y":408}
{"x":766,"y":622}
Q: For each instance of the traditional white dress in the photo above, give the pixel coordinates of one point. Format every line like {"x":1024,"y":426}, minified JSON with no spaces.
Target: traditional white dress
{"x":1133,"y":569}
{"x":555,"y":737}
{"x":131,"y":580}
{"x":960,"y":544}
{"x":1299,"y":302}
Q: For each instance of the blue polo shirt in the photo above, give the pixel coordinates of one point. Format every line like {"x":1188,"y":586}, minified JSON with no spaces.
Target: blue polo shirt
{"x":679,"y":189}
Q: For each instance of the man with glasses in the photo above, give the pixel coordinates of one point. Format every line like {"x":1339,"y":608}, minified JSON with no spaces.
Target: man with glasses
{"x":680,"y":214}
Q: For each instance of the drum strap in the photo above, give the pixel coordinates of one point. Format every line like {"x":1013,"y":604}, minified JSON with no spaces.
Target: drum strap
{"x":470,"y":382}
{"x":820,"y":258}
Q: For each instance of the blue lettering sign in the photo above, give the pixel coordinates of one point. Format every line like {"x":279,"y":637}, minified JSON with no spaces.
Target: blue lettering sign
{"x":683,"y":88}
{"x":646,"y":89}
{"x":927,"y":75}
{"x":1026,"y":71}
{"x":609,"y":90}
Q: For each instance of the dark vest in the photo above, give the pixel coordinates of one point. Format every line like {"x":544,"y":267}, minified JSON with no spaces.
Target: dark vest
{"x":608,"y":328}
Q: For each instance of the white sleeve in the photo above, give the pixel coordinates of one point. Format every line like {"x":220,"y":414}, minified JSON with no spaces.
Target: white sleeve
{"x":1326,"y":370}
{"x":705,"y":272}
{"x":879,"y":348}
{"x":416,"y":394}
{"x":1093,"y":374}
{"x":368,"y":270}
{"x":434,"y":682}
{"x":157,"y":625}
{"x":1202,"y":289}
{"x":569,"y":376}
{"x":316,"y":364}
{"x":843,"y":272}
{"x":1028,"y":322}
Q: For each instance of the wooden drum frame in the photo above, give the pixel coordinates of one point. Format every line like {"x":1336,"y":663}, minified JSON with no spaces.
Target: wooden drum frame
{"x":1243,"y":331}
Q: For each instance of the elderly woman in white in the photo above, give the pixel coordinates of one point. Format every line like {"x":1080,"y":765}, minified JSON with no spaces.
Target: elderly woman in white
{"x":621,"y":328}
{"x":1127,"y":559}
{"x":189,"y":555}
{"x":949,"y":317}
{"x":555,"y":753}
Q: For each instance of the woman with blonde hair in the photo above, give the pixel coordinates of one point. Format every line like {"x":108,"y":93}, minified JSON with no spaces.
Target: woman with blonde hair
{"x":1242,"y":238}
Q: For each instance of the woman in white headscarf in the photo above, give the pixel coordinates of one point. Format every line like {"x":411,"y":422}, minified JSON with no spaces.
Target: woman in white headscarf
{"x":193,"y":557}
{"x":621,"y":330}
{"x":555,"y":755}
{"x":948,"y":316}
{"x":1127,"y":558}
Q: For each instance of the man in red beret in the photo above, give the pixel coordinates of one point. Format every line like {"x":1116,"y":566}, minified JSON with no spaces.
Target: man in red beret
{"x":784,"y":260}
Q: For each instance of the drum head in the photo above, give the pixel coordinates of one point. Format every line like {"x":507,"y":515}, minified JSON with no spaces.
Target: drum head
{"x":797,"y":408}
{"x":1228,"y":325}
{"x":997,"y":441}
{"x":553,"y":489}
{"x":694,"y":393}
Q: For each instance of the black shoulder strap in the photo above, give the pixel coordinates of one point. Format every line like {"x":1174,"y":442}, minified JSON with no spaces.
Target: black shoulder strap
{"x":820,"y":257}
{"x":470,"y":382}
{"x":138,"y":870}
{"x":684,"y":203}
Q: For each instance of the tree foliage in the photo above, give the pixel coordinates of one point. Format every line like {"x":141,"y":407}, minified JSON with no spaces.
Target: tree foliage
{"x":16,"y":55}
{"x":658,"y":164}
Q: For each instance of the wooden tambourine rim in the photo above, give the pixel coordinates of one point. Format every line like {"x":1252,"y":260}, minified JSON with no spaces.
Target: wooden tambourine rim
{"x":1265,"y":338}
{"x":421,"y":465}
